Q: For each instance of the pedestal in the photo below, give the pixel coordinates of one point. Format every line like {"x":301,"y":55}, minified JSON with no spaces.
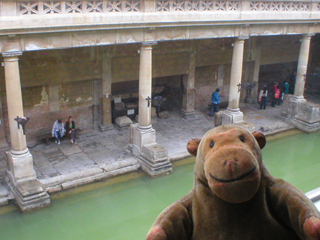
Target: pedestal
{"x":301,"y":113}
{"x":231,"y":117}
{"x":21,"y":179}
{"x":153,"y":156}
{"x":154,"y":160}
{"x":140,"y":137}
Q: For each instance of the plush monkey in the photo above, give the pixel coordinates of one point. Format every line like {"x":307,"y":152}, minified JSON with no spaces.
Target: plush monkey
{"x":234,"y":197}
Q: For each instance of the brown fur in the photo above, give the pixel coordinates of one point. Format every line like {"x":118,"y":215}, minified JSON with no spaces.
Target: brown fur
{"x":235,"y":197}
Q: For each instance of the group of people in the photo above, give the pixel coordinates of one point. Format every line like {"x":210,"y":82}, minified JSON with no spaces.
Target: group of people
{"x":59,"y":130}
{"x":278,"y":93}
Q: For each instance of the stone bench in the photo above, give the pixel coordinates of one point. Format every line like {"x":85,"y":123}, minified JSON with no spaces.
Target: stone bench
{"x":47,"y":137}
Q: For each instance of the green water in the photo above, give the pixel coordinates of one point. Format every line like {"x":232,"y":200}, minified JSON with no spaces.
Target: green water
{"x":126,"y":207}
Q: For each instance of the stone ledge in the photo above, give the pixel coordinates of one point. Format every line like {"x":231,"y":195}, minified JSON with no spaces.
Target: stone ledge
{"x":75,"y":179}
{"x":98,"y":177}
{"x":70,"y":177}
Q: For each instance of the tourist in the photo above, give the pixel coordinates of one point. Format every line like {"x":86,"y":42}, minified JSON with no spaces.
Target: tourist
{"x":276,"y":95}
{"x":58,"y":130}
{"x":70,"y":129}
{"x":286,"y":87}
{"x":215,"y":102}
{"x":263,"y":97}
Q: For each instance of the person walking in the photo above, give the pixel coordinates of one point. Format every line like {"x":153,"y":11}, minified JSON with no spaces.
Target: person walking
{"x":58,"y":130}
{"x":215,"y":102}
{"x":263,"y":97}
{"x":71,"y":129}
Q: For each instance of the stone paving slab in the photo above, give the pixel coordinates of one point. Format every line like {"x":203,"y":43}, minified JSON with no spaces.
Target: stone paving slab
{"x":68,"y":150}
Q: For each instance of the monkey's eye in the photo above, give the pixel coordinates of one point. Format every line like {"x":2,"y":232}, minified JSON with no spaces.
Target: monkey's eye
{"x":211,"y":144}
{"x":242,"y":139}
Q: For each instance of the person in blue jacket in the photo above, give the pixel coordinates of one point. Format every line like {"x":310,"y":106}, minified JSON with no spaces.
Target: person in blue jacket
{"x":215,"y":100}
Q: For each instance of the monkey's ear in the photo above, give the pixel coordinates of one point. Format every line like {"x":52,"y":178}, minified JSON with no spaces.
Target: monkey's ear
{"x":261,"y":139}
{"x":193,"y":145}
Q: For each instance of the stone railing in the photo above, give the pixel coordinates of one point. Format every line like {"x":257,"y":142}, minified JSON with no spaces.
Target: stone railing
{"x":10,"y":8}
{"x":32,"y":25}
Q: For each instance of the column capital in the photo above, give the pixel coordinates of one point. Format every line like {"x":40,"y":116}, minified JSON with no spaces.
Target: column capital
{"x":149,"y":44}
{"x":7,"y":55}
{"x":308,"y":35}
{"x":242,"y":38}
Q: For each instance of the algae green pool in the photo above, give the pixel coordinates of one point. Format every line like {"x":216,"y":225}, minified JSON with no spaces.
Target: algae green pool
{"x":125,"y":207}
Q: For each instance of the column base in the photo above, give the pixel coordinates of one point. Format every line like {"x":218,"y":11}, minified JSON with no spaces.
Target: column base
{"x":231,"y":116}
{"x":20,"y":164}
{"x":29,"y":195}
{"x":153,"y":157}
{"x":189,"y":115}
{"x":21,"y":179}
{"x":301,"y":113}
{"x":298,"y":98}
{"x":154,"y":160}
{"x":140,"y":137}
{"x":104,"y":128}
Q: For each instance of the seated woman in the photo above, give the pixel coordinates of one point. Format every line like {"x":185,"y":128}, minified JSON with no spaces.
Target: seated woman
{"x":71,"y":129}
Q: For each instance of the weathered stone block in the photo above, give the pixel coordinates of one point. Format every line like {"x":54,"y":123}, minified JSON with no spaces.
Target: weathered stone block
{"x":54,"y":189}
{"x":154,"y":160}
{"x":123,"y":121}
{"x":141,"y":138}
{"x":154,"y":151}
{"x":231,"y":117}
{"x":29,"y":195}
{"x":308,"y":111}
{"x":302,"y":114}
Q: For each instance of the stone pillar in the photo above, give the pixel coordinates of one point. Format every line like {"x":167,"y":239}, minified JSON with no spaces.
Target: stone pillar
{"x":106,"y":112}
{"x":256,"y":72}
{"x":303,"y":114}
{"x":145,"y":87}
{"x":233,"y":113}
{"x":188,"y":99}
{"x":153,"y":157}
{"x":21,"y":177}
{"x":302,"y":67}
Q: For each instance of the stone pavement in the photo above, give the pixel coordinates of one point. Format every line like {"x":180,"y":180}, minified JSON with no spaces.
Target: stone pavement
{"x":100,"y":155}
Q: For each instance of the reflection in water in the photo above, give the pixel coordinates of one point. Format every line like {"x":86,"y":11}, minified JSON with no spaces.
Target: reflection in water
{"x":125,"y":207}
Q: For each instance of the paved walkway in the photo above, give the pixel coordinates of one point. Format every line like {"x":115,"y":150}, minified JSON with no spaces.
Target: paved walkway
{"x":100,"y":155}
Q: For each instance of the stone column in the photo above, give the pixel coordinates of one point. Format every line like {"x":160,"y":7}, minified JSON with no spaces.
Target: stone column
{"x":145,"y":87}
{"x":21,"y":175}
{"x":153,"y":157}
{"x":106,"y":113}
{"x":302,"y":67}
{"x":256,"y":71}
{"x":233,"y":113}
{"x":302,"y":114}
{"x":188,"y":99}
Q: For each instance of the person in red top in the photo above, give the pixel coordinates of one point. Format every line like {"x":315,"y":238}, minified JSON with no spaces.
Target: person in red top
{"x":276,"y":95}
